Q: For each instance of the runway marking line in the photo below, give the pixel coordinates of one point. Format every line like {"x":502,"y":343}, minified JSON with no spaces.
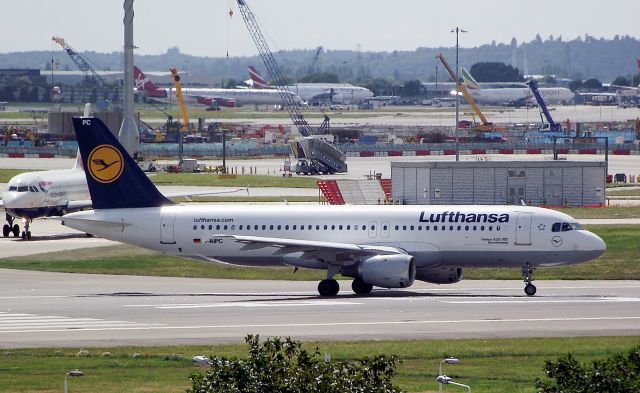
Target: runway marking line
{"x":246,"y":304}
{"x":333,"y":324}
{"x":43,"y":323}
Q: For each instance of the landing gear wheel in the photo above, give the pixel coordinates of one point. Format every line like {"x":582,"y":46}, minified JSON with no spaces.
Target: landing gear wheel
{"x":6,"y":230}
{"x":360,"y":287}
{"x":16,"y":230}
{"x":527,"y":273}
{"x":328,"y":287}
{"x":24,"y":235}
{"x":530,"y":289}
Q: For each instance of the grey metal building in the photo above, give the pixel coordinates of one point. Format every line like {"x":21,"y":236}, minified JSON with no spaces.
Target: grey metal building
{"x":537,"y":183}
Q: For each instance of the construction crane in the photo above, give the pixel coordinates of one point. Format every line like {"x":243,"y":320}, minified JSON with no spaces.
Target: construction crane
{"x":83,"y":65}
{"x":550,"y":125}
{"x":315,"y":155}
{"x":183,"y":111}
{"x":180,"y":97}
{"x":486,"y":126}
{"x":314,"y":60}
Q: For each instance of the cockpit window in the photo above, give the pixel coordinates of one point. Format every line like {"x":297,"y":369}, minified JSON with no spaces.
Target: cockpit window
{"x":33,"y":189}
{"x":565,"y":226}
{"x":23,"y":188}
{"x":13,"y":188}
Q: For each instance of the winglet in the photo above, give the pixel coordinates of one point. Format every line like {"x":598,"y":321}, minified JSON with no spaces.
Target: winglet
{"x":115,"y":181}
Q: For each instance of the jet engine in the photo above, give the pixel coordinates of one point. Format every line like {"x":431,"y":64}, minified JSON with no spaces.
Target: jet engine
{"x":387,"y":271}
{"x":440,"y":275}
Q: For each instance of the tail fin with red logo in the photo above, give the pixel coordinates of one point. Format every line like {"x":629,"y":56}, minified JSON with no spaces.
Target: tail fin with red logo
{"x":144,"y":85}
{"x":258,"y":81}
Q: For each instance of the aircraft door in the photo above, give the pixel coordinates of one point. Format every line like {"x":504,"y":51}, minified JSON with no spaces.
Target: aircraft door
{"x":385,"y":227}
{"x":167,"y":225}
{"x":523,"y":229}
{"x":373,"y":229}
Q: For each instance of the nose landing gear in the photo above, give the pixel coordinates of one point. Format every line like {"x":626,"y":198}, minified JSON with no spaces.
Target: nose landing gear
{"x":527,"y":273}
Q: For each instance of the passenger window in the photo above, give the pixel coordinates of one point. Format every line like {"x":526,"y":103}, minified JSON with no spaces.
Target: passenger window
{"x":397,"y":227}
{"x":364,"y":228}
{"x":459,"y":227}
{"x":490,"y":228}
{"x":426,"y":228}
{"x":419,"y":227}
{"x":202,"y":227}
{"x":325,"y":227}
{"x":294,"y":227}
{"x":444,"y":228}
{"x":384,"y":228}
{"x":302,"y":227}
{"x":411,"y":227}
{"x":354,"y":227}
{"x":482,"y":227}
{"x":348,"y":227}
{"x":333,"y":227}
{"x":466,"y":227}
{"x":404,"y":227}
{"x":451,"y":227}
{"x":474,"y":227}
{"x":225,"y":227}
{"x":233,"y":227}
{"x":279,"y":227}
{"x":255,"y":227}
{"x":286,"y":227}
{"x":240,"y":227}
{"x":435,"y":227}
{"x":556,"y":227}
{"x":317,"y":227}
{"x":271,"y":227}
{"x":210,"y":227}
{"x":309,"y":227}
{"x":195,"y":227}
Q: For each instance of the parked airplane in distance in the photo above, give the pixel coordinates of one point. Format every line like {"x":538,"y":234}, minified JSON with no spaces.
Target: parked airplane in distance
{"x":513,"y":95}
{"x":336,"y":93}
{"x":209,"y":96}
{"x":385,"y":246}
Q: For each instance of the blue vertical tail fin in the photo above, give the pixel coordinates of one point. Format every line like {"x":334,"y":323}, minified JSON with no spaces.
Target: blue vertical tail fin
{"x":115,"y":180}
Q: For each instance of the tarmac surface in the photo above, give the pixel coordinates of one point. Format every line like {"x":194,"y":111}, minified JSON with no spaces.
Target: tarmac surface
{"x":41,"y":309}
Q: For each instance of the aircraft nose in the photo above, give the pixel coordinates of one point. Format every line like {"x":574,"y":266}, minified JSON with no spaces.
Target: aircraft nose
{"x":594,"y":245}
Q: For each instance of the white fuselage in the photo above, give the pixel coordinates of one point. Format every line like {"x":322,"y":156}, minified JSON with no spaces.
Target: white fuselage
{"x":241,"y":96}
{"x":342,"y":93}
{"x":47,"y":193}
{"x":551,"y":95}
{"x":462,"y":236}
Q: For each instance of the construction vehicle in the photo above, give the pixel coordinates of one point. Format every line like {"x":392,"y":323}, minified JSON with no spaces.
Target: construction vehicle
{"x":550,"y":125}
{"x":486,"y":126}
{"x":315,"y":152}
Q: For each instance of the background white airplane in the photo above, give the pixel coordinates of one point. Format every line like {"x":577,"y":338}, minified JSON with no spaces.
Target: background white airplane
{"x":209,"y":96}
{"x":499,"y":96}
{"x":339,"y":93}
{"x":385,"y":246}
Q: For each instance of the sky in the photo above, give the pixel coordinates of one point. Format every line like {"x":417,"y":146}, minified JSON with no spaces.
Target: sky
{"x":204,"y":28}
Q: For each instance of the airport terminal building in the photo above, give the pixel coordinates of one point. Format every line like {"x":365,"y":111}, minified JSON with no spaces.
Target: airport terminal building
{"x":541,"y":183}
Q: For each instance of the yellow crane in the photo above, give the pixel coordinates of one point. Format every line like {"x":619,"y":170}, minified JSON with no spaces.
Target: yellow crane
{"x":486,"y":126}
{"x":180,"y":97}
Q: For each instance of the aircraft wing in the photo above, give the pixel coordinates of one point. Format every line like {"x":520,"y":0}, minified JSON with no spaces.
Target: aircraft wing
{"x":311,"y":249}
{"x":187,"y":194}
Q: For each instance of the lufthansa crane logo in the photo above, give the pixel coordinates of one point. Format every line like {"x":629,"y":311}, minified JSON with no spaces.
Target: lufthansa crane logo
{"x":105,"y":164}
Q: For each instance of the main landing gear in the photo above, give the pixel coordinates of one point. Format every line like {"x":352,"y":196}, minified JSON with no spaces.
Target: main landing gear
{"x":10,"y":227}
{"x":330,"y":287}
{"x":527,"y":273}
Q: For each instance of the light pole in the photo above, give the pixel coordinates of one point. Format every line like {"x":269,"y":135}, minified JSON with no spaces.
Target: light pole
{"x":457,"y":30}
{"x":447,"y":380}
{"x":448,"y":361}
{"x":74,"y":373}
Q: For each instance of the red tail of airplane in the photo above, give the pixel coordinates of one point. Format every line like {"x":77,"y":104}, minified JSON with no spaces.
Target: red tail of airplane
{"x":258,"y":82}
{"x":144,"y":85}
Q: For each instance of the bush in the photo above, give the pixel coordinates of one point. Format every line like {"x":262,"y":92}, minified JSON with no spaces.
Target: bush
{"x":283,"y":366}
{"x":618,"y":374}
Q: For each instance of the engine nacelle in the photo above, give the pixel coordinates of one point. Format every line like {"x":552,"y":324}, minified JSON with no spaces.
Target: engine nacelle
{"x":387,"y":271}
{"x":440,"y":275}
